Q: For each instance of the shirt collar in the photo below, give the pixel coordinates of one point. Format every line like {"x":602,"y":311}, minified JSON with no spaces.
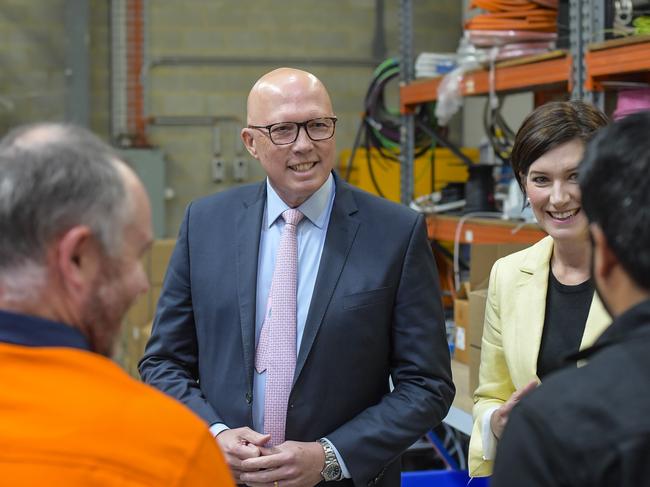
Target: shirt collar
{"x":314,"y":208}
{"x":32,"y":331}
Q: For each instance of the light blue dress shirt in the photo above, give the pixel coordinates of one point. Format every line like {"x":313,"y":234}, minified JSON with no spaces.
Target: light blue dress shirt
{"x":311,"y":233}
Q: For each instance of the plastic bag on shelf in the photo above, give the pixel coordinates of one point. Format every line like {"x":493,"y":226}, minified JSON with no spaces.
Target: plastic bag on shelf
{"x":449,"y":97}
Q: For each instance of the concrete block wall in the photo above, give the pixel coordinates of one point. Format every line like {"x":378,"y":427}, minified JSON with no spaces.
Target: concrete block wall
{"x":33,"y":82}
{"x":99,"y":67}
{"x":33,"y":66}
{"x":32,"y":75}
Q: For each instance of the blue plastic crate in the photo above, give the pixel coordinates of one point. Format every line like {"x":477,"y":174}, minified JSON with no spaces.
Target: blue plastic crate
{"x":441,"y":478}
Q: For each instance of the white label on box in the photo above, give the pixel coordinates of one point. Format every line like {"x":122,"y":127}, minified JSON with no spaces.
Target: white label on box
{"x":469,"y":236}
{"x":460,"y":338}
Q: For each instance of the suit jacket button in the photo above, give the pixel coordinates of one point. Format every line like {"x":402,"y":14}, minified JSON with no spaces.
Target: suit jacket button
{"x":249,"y":398}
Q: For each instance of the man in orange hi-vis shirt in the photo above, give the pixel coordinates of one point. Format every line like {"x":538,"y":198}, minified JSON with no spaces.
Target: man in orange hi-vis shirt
{"x":74,"y":222}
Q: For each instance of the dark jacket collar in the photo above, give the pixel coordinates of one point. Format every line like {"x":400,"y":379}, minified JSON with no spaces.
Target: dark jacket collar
{"x":32,"y":331}
{"x":630,"y":324}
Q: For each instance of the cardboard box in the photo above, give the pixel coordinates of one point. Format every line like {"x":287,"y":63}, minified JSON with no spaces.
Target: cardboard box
{"x":476,"y":309}
{"x":483,"y":257}
{"x":469,"y":305}
{"x":134,"y":340}
{"x":155,"y":263}
{"x":461,"y":319}
{"x":161,"y":252}
{"x":136,"y":327}
{"x":140,"y":311}
{"x":474,"y":363}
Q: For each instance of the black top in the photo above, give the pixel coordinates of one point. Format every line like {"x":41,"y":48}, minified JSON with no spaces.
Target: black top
{"x":586,"y":426}
{"x":567,"y":308}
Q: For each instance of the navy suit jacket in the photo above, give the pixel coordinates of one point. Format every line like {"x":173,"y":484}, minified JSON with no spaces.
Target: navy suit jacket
{"x":375,"y":312}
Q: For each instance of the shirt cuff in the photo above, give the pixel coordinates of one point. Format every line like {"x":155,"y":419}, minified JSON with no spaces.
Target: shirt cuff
{"x":344,"y":469}
{"x":489,"y":440}
{"x":217,"y":428}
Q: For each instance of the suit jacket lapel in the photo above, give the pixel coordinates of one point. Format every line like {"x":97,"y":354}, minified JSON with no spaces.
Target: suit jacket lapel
{"x":249,"y":224}
{"x":530,"y":302}
{"x":341,"y":232}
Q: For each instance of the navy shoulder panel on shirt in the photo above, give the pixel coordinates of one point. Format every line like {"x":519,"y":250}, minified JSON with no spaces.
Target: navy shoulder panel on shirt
{"x":596,"y":405}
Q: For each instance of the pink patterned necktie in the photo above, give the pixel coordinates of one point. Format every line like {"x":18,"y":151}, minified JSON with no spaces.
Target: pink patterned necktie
{"x":276,"y":350}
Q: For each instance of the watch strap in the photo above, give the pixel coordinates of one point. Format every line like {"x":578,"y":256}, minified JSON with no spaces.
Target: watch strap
{"x":330,"y":461}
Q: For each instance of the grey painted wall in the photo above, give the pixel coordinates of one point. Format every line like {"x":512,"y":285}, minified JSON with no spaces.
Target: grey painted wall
{"x":32,"y":56}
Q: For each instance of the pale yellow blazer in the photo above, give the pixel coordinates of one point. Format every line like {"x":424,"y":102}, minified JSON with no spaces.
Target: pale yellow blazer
{"x":512,"y":333}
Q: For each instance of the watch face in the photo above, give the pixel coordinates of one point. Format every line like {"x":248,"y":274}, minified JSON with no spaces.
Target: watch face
{"x":332,"y":472}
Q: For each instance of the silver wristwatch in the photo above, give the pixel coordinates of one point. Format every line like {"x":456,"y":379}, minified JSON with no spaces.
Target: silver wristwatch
{"x":332,"y":470}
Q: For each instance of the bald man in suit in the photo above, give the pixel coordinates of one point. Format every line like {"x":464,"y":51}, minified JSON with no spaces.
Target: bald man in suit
{"x":368,"y":309}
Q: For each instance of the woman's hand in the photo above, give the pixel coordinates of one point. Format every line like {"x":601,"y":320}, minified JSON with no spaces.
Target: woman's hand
{"x":499,"y":419}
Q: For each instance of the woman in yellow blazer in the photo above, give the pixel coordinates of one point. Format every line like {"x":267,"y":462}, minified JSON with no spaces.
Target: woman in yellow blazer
{"x":541,"y":303}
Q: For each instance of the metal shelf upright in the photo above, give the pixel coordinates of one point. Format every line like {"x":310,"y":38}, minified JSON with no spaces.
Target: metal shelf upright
{"x":407,"y":131}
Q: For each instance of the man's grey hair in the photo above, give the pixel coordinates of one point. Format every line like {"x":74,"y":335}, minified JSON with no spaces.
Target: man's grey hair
{"x":54,"y":177}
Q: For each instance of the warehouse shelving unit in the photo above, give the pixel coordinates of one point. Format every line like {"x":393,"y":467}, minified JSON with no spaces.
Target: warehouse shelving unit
{"x":550,"y":71}
{"x":626,"y":59}
{"x":616,"y":60}
{"x":481,"y":230}
{"x":585,"y":71}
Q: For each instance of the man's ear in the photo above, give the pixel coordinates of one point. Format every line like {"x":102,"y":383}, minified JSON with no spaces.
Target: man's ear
{"x":249,"y":141}
{"x":77,"y":258}
{"x":604,"y":258}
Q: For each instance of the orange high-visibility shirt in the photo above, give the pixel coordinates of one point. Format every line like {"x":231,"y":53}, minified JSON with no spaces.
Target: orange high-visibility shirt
{"x":70,"y":417}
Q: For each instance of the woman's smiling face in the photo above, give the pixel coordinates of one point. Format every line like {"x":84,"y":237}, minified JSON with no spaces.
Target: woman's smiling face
{"x":553,"y":192}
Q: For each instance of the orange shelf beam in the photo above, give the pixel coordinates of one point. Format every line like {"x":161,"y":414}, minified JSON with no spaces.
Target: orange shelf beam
{"x":482,"y":231}
{"x":552,"y":73}
{"x":610,"y":63}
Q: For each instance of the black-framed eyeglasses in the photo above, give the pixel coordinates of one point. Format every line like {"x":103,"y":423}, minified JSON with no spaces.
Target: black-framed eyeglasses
{"x":284,"y":133}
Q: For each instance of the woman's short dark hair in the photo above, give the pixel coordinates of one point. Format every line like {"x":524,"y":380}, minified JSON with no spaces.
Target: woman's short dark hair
{"x":550,"y":126}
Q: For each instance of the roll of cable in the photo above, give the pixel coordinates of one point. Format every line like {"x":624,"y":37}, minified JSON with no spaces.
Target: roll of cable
{"x":498,"y":132}
{"x":381,"y":124}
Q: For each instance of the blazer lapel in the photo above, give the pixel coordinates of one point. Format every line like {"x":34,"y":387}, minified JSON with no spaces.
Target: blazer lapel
{"x":341,"y":232}
{"x":530,"y":303}
{"x":248,"y":240}
{"x":597,"y":321}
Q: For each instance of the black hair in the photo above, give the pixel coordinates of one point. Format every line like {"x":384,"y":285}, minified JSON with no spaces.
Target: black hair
{"x":614,"y":178}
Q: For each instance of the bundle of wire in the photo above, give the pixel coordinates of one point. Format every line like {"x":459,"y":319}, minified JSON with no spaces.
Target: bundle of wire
{"x":499,"y":133}
{"x":380,"y":126}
